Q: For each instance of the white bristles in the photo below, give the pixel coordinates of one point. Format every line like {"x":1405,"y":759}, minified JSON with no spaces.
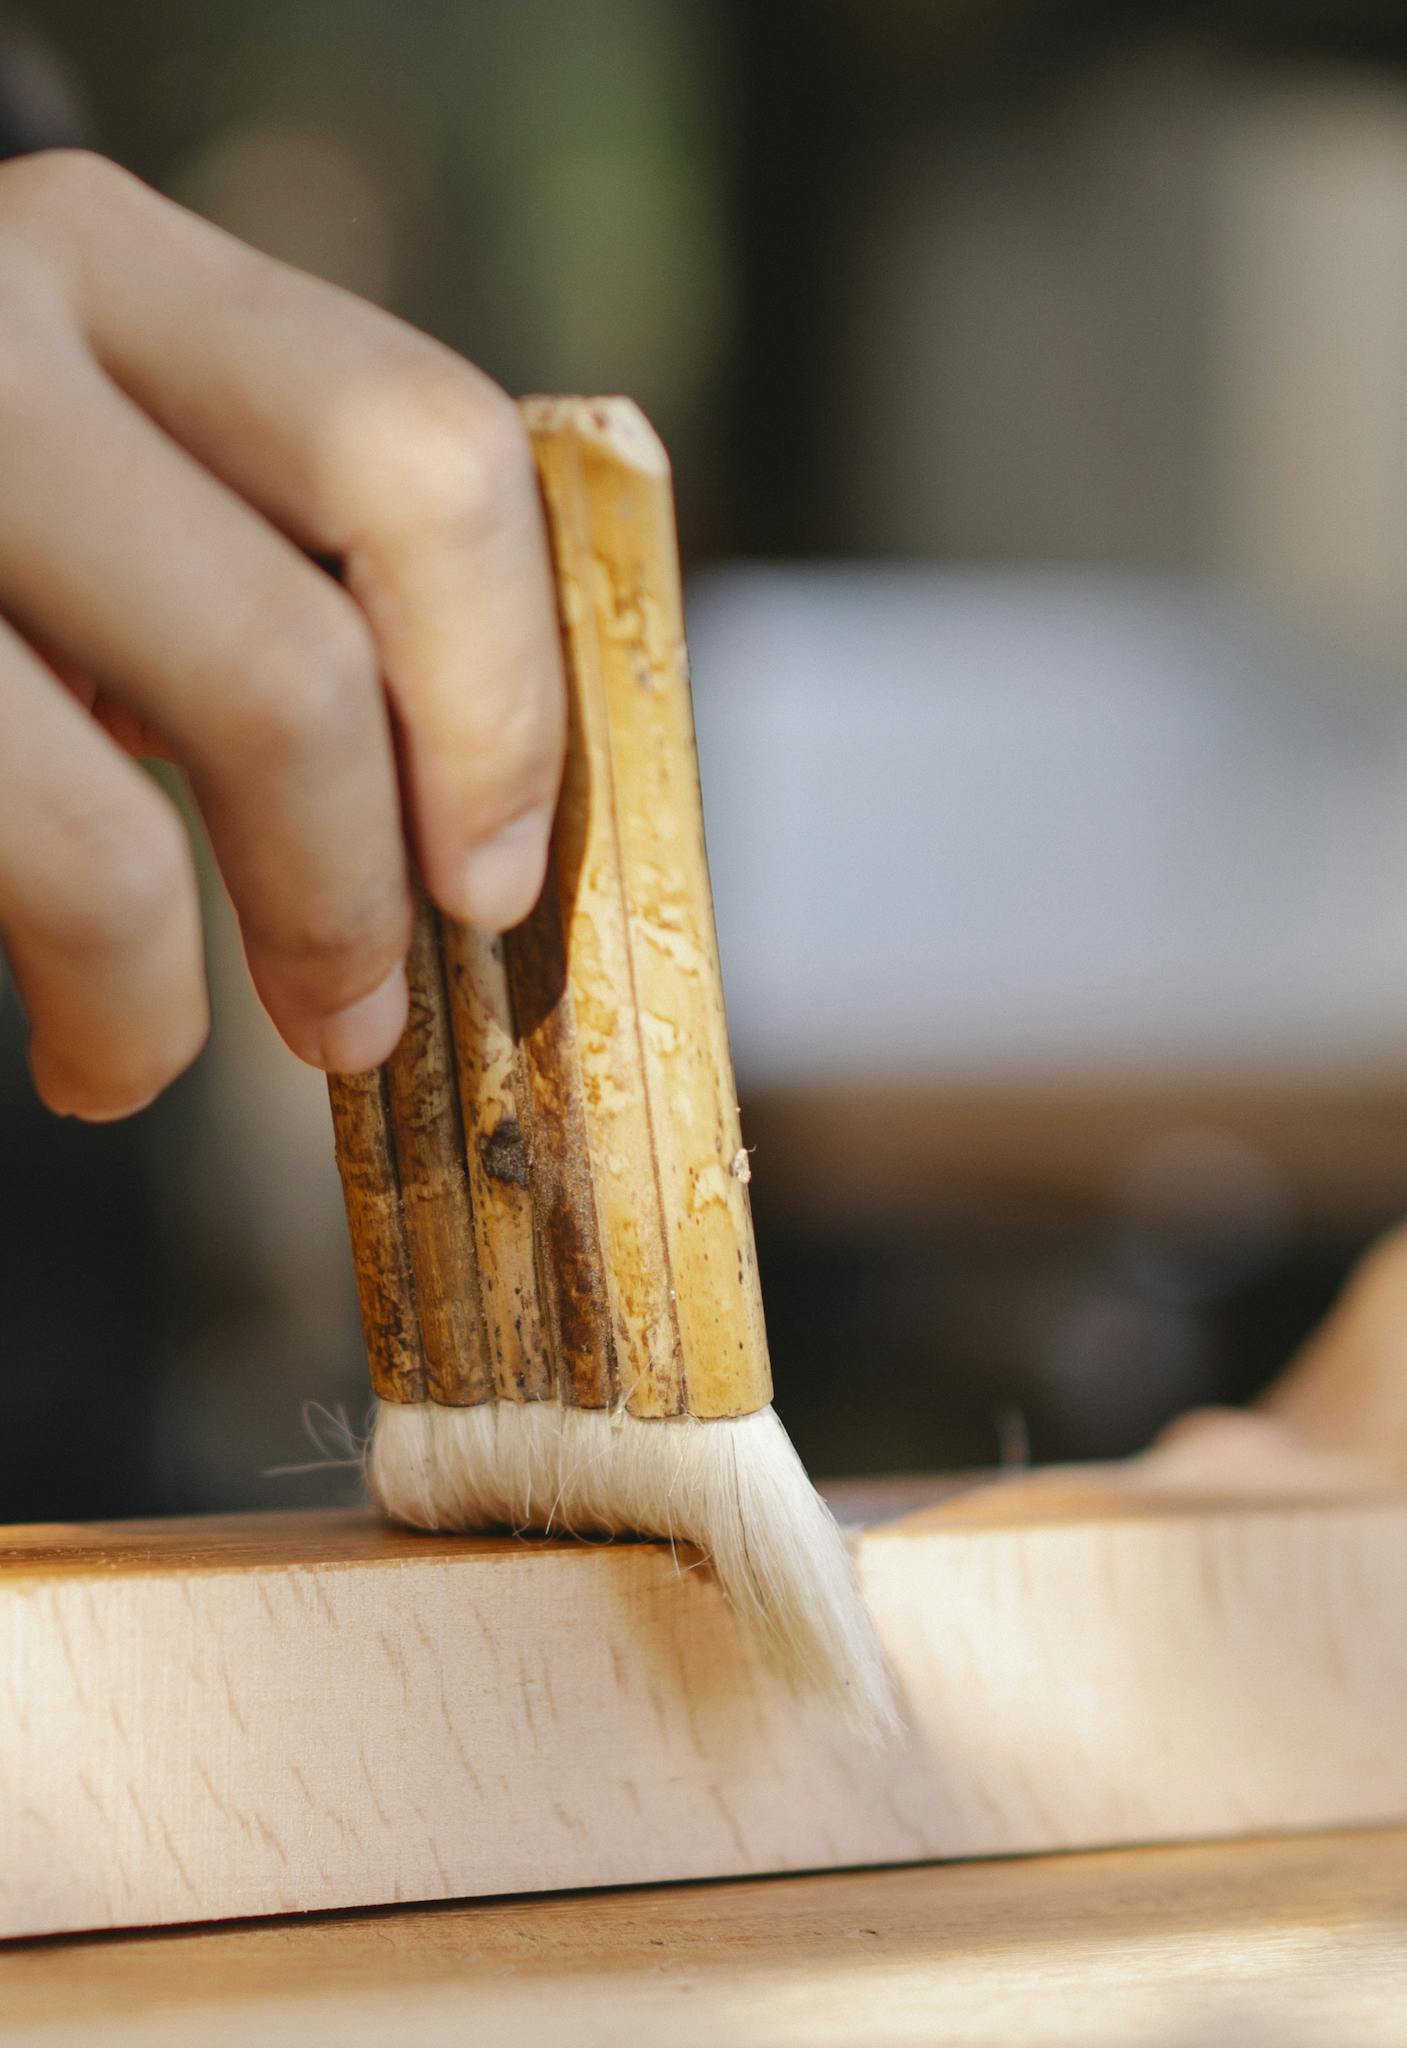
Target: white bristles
{"x":735,"y":1489}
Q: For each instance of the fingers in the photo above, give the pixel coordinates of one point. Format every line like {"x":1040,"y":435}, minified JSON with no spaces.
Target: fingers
{"x":368,"y":442}
{"x":135,"y":735}
{"x":462,"y":605}
{"x":98,"y":906}
{"x":1345,"y":1391}
{"x":261,"y":673}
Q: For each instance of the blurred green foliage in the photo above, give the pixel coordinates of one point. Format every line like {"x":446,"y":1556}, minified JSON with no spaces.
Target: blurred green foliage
{"x":544,"y":187}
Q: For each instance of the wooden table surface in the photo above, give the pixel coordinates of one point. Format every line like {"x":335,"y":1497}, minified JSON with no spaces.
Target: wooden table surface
{"x":1299,"y":1942}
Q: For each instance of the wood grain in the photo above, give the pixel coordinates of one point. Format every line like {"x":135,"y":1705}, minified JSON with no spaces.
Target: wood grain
{"x":1265,"y":1944}
{"x":588,"y":520}
{"x":573,"y":1298}
{"x":272,"y":1714}
{"x":371,"y":1190}
{"x":432,"y":1171}
{"x":491,"y":1091}
{"x":641,"y":1049}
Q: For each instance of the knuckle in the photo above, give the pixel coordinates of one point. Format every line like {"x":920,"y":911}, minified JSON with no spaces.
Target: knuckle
{"x":72,"y":182}
{"x":48,"y":203}
{"x":128,"y":869}
{"x":141,"y":890}
{"x":523,"y":754}
{"x":337,"y":952}
{"x":373,"y":933}
{"x":515,"y":735}
{"x":37,"y":320}
{"x":463,"y":453}
{"x":304,"y":687}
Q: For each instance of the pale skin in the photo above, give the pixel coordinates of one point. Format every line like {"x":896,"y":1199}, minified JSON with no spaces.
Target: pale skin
{"x":192,"y":436}
{"x":1337,"y":1415}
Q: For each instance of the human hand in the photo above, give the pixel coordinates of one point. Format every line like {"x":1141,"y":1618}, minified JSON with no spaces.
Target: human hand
{"x":184,"y":424}
{"x":1335,"y":1420}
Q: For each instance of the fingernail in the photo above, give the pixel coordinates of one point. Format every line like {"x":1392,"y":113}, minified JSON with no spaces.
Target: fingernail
{"x":502,"y":877}
{"x":365,"y":1033}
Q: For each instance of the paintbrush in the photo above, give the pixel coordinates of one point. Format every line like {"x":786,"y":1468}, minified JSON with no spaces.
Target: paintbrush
{"x":546,"y":1185}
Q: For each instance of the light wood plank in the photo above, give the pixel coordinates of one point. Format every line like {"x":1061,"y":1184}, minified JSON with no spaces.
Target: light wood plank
{"x":1265,"y":1944}
{"x":270,"y":1714}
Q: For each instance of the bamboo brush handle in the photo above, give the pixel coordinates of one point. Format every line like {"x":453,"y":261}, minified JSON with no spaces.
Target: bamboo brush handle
{"x":371,"y":1190}
{"x":604,"y":1187}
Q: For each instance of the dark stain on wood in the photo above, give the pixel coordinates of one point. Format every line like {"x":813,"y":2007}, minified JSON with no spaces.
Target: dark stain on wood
{"x":505,"y":1154}
{"x":371,"y":1189}
{"x":428,"y":1135}
{"x":570,"y":1265}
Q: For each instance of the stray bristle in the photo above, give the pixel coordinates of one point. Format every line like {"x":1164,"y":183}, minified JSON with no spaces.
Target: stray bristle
{"x":734,"y":1488}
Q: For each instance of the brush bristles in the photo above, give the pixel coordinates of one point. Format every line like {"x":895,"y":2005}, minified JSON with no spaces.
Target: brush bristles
{"x":735,"y":1489}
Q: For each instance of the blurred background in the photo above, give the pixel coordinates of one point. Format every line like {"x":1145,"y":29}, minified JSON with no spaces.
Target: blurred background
{"x":1035,"y":373}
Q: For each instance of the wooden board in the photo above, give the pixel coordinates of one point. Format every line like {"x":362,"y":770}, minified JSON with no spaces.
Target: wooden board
{"x":1265,"y":1944}
{"x":269,"y":1714}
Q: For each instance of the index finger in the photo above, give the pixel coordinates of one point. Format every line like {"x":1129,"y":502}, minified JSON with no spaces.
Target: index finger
{"x":369,"y":442}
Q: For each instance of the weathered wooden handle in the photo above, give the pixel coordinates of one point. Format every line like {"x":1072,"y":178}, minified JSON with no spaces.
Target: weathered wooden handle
{"x":366,"y":1159}
{"x":581,"y":1227}
{"x":400,"y":1149}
